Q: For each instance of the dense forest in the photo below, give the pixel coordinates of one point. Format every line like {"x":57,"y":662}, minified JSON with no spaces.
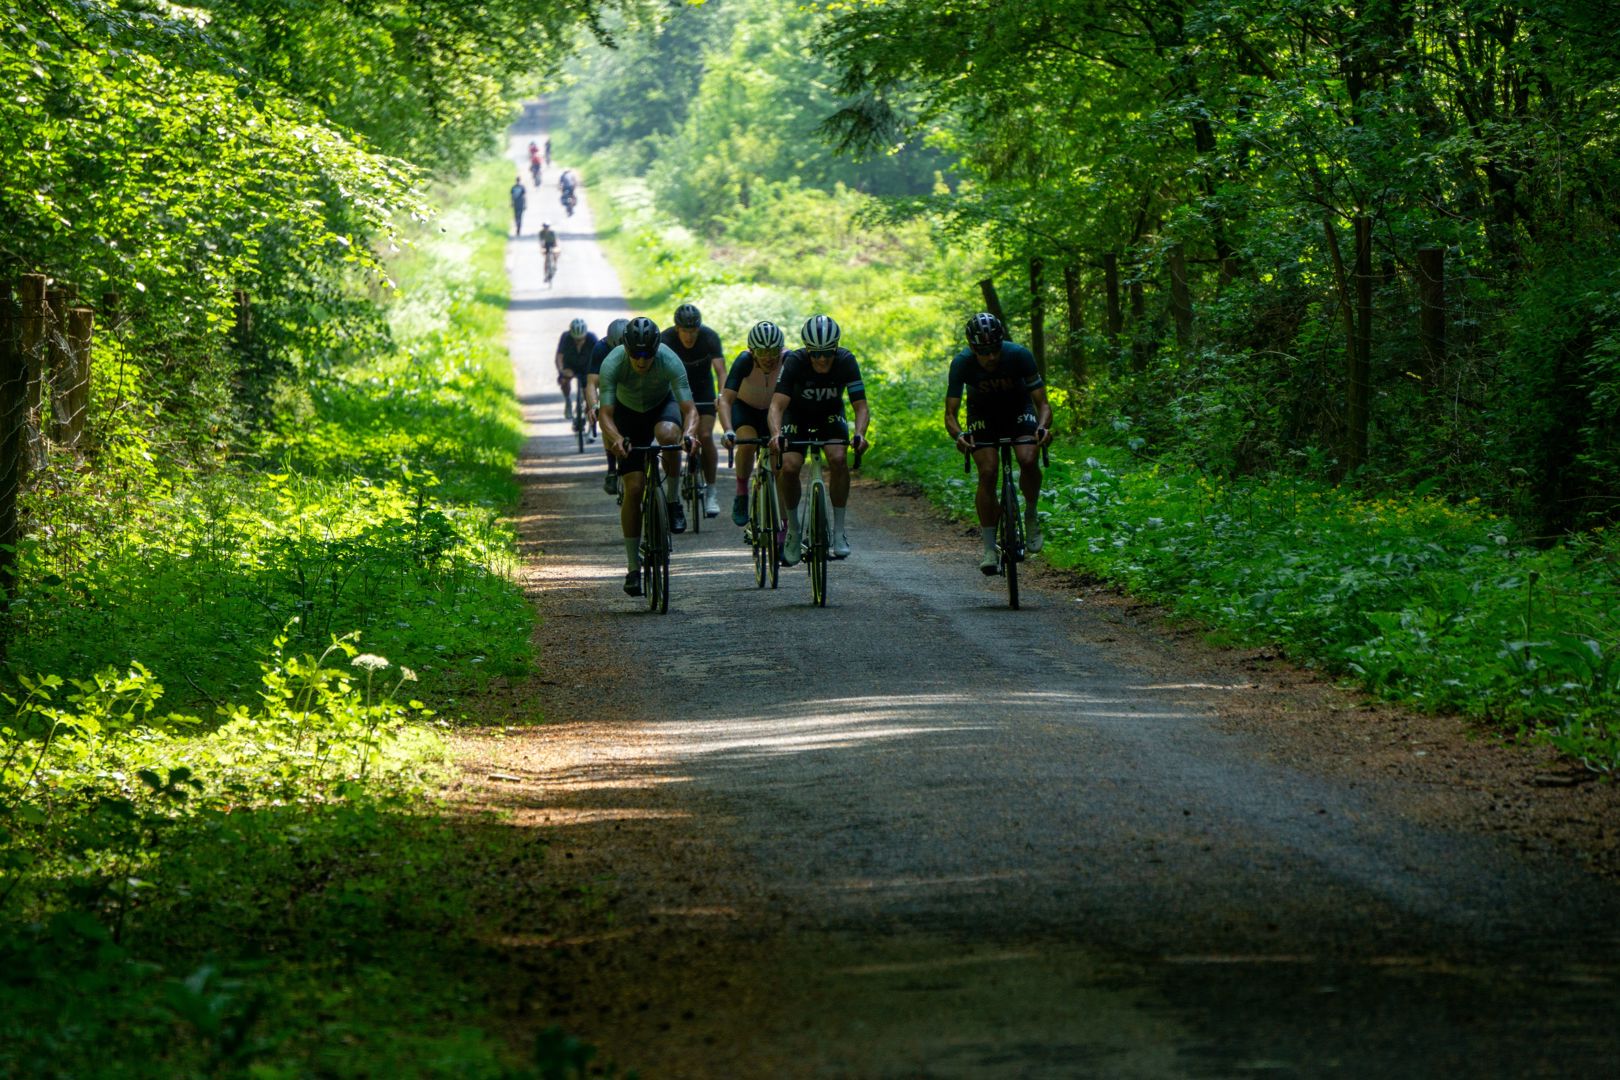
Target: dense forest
{"x":1373,"y":242}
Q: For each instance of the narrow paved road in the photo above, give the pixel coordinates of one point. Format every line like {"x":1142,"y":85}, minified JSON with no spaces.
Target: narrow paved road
{"x":926,"y":836}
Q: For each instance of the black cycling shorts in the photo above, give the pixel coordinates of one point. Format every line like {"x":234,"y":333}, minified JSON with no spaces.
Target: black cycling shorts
{"x":1002,"y":424}
{"x":638,"y":428}
{"x":826,"y":428}
{"x":745,"y":415}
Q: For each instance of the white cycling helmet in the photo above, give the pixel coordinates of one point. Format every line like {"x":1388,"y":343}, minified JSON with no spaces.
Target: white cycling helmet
{"x":765,"y":335}
{"x":577,"y":329}
{"x":819,"y":333}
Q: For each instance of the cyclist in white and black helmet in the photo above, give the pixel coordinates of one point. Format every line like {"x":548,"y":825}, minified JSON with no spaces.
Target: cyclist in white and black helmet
{"x":1006,"y":399}
{"x":645,"y":397}
{"x":745,"y":402}
{"x":699,"y":349}
{"x":609,"y":342}
{"x":809,"y":404}
{"x":574,"y":348}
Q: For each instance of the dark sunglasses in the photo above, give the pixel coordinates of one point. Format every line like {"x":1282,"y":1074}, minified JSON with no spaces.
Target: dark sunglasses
{"x":820,"y":354}
{"x":643,"y":354}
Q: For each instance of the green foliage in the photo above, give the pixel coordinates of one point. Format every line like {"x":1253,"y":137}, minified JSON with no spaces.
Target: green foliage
{"x":371,"y":503}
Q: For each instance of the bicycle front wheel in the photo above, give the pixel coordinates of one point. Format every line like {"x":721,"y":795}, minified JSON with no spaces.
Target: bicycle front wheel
{"x":820,"y":547}
{"x":1009,"y":537}
{"x":655,"y":557}
{"x":692,"y":491}
{"x":773,"y":530}
{"x":759,"y":536}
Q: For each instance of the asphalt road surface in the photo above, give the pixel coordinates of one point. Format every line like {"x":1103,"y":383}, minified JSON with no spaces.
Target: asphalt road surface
{"x":998,"y":843}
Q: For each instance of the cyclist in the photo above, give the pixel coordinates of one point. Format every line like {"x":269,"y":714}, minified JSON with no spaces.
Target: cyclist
{"x":808,"y":403}
{"x":609,"y":342}
{"x":534,"y":166}
{"x":548,"y":242}
{"x":520,"y":199}
{"x":746,"y":399}
{"x":645,"y":396}
{"x":574,"y":348}
{"x":699,"y":349}
{"x":548,"y":150}
{"x":566,"y":184}
{"x":1006,"y":399}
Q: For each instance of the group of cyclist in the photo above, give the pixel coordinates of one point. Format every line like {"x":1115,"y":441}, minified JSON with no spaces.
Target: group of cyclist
{"x":648,"y":387}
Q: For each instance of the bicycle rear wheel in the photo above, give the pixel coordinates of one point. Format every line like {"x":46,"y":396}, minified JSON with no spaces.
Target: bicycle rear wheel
{"x":758,"y":535}
{"x":773,"y":531}
{"x":1009,"y":537}
{"x":692,"y":492}
{"x":655,"y":554}
{"x":820,"y":545}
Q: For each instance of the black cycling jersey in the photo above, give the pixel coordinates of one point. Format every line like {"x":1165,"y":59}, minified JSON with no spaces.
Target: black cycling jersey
{"x":814,"y":396}
{"x":599,"y":354}
{"x":576,"y":357}
{"x":1002,"y":389}
{"x":699,"y":369}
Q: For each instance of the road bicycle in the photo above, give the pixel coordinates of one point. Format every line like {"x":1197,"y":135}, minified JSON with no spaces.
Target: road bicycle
{"x":763,"y":532}
{"x":656,"y":542}
{"x":581,"y":423}
{"x":692,"y":488}
{"x":1010,"y":524}
{"x":534,"y":170}
{"x":817,"y":537}
{"x":551,"y":264}
{"x":569,"y":200}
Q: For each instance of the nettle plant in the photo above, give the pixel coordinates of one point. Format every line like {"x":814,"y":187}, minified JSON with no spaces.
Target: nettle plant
{"x":92,"y":774}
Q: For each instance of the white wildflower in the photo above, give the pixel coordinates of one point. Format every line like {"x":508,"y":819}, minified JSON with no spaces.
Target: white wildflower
{"x":369,"y":661}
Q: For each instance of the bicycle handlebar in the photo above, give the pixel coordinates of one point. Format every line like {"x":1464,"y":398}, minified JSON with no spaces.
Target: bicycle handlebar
{"x":1022,"y":440}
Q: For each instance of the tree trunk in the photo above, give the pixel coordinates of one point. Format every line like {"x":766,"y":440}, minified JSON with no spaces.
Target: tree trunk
{"x":1076,"y":352}
{"x":1116,"y":318}
{"x":1037,"y":314}
{"x":992,"y":302}
{"x":1140,"y":346}
{"x":1357,"y":386}
{"x":1180,"y":297}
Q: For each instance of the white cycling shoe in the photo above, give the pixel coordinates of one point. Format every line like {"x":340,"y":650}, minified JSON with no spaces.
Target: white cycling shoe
{"x":792,"y":548}
{"x":840,"y":546}
{"x":1033,"y":541}
{"x":711,"y":504}
{"x":991,"y":563}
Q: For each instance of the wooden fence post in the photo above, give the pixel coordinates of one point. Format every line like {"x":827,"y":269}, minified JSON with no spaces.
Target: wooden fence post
{"x":1116,"y":318}
{"x":31,"y":340}
{"x":1431,"y":281}
{"x":1357,"y":394}
{"x":58,"y":363}
{"x":1076,"y":351}
{"x":1180,"y":296}
{"x":992,"y":302}
{"x":1037,"y":314}
{"x":80,"y":327}
{"x":13,"y":450}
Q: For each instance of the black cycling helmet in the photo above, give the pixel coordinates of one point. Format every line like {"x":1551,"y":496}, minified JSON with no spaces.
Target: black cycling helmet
{"x":641,"y":337}
{"x":688,"y":317}
{"x":765,"y":335}
{"x":985,"y":330}
{"x":615,"y":331}
{"x":819,"y":333}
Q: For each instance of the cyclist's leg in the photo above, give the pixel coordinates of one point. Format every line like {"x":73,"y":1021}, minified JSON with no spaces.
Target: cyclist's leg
{"x":987,"y":500}
{"x":788,"y":489}
{"x":668,"y":433}
{"x":1029,"y":483}
{"x":744,"y":466}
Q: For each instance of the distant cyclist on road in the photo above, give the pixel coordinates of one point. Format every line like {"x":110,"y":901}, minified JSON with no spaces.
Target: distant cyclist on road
{"x":699,"y":349}
{"x":745,"y":402}
{"x":574,"y":350}
{"x":1006,"y":399}
{"x":520,"y":199}
{"x":809,"y":404}
{"x":548,"y":247}
{"x":645,"y":396}
{"x":609,"y":342}
{"x":566,"y":185}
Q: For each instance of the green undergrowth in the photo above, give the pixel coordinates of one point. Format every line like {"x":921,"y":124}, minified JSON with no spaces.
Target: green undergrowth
{"x":221,"y":852}
{"x":1438,"y":605}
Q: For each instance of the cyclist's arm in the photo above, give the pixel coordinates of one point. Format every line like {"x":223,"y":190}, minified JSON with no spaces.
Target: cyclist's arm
{"x":1043,"y":410}
{"x":779,"y":404}
{"x":590,"y":391}
{"x":863,"y":416}
{"x":689,"y":419}
{"x":953,"y":422}
{"x":718,"y":362}
{"x":610,"y":431}
{"x":722,"y":405}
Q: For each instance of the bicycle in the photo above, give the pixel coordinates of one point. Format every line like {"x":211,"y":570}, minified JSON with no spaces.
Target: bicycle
{"x":655,"y":535}
{"x":569,"y":200}
{"x":692,"y":488}
{"x":551,"y":264}
{"x":817,"y":537}
{"x":1010,"y":524}
{"x":579,"y":415}
{"x":534,"y":171}
{"x":764,"y":529}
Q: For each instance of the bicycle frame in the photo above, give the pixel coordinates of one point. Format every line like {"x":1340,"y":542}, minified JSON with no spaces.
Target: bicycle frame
{"x":1010,"y":519}
{"x":655,"y":535}
{"x":818,"y":524}
{"x":764,"y":528}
